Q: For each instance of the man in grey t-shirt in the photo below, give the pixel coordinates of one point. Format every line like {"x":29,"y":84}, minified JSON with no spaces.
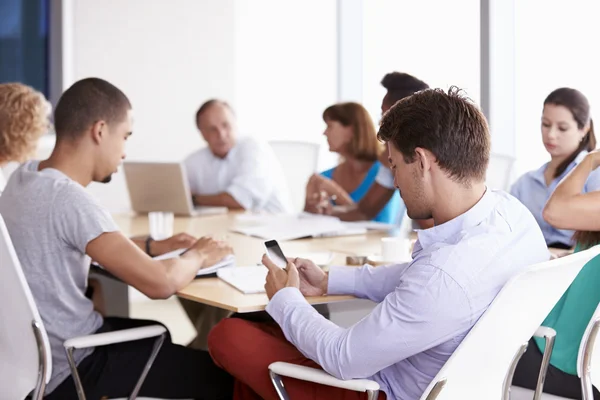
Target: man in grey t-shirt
{"x":56,"y":226}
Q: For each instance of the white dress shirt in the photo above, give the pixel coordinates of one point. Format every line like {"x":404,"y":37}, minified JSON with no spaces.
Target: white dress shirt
{"x":426,"y":307}
{"x":2,"y":181}
{"x":250,"y":173}
{"x":385,"y":178}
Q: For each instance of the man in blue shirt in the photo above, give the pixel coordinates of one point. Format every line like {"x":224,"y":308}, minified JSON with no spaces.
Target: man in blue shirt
{"x":439,"y":147}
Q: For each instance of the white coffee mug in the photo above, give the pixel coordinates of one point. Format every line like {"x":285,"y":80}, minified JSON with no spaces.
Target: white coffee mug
{"x":395,"y":249}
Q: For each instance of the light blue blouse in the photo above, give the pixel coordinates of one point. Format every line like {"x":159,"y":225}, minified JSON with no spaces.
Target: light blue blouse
{"x":532,"y":191}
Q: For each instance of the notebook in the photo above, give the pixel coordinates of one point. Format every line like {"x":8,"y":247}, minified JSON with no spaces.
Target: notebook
{"x":248,"y":280}
{"x":291,"y":227}
{"x":228,"y":261}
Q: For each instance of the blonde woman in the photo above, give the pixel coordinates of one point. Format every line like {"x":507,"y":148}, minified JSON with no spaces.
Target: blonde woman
{"x":24,"y":118}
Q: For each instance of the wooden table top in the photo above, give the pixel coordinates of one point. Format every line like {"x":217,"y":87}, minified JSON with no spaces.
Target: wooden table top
{"x":248,"y":251}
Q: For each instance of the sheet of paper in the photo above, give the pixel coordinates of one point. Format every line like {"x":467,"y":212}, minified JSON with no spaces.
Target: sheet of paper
{"x":226,"y":262}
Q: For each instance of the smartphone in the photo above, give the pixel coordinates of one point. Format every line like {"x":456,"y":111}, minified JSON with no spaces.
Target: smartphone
{"x":275,"y":254}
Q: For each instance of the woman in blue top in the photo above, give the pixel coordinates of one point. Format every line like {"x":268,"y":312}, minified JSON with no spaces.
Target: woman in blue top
{"x":568,"y":208}
{"x":568,"y":135}
{"x":351,"y":133}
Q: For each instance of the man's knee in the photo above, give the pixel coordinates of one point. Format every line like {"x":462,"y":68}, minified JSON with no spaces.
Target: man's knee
{"x":225,"y":337}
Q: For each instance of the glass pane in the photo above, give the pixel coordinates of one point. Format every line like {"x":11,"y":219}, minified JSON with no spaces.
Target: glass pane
{"x":24,"y":42}
{"x":557,"y":45}
{"x":435,"y":40}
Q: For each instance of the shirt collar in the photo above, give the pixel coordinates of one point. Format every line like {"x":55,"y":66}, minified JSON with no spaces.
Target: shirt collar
{"x":538,"y":175}
{"x":473,"y":216}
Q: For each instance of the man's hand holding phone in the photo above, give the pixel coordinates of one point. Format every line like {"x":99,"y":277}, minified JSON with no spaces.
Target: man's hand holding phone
{"x":279,"y":278}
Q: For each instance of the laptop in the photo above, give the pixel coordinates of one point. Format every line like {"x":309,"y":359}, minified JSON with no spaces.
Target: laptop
{"x":162,"y":186}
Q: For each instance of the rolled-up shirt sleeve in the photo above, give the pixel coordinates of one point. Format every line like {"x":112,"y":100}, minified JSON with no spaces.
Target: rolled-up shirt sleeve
{"x":426,"y":309}
{"x":251,"y":186}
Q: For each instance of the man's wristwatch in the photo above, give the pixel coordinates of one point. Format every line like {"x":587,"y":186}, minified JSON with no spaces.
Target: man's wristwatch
{"x":148,"y":241}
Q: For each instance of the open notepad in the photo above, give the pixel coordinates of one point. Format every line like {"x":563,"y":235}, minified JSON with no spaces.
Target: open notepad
{"x":228,"y":261}
{"x":248,"y":280}
{"x":299,"y":226}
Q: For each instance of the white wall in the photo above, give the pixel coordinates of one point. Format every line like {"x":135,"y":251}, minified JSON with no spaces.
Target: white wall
{"x":274,"y":62}
{"x":168,"y":57}
{"x":286,"y":68}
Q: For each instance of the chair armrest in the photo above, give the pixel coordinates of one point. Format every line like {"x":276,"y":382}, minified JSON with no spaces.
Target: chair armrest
{"x":125,"y":335}
{"x":321,"y":377}
{"x":544,"y":332}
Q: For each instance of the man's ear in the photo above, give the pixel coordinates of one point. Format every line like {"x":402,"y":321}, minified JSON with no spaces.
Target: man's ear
{"x":98,"y":131}
{"x":423,"y":158}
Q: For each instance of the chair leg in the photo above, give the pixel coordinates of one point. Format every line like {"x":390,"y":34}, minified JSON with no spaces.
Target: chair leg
{"x":511,"y":372}
{"x":586,"y":379}
{"x":40,"y":386}
{"x":372,"y":394}
{"x":278,"y":384}
{"x":157,"y":345}
{"x":539,"y":389}
{"x":75,"y":374}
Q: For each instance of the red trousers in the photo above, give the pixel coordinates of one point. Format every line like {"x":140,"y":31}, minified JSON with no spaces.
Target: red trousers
{"x":246,"y":349}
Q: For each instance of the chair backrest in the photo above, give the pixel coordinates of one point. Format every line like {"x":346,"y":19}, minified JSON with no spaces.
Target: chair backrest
{"x":499,"y":172}
{"x":19,"y":355}
{"x":299,"y":161}
{"x":479,"y":365}
{"x":595,"y":372}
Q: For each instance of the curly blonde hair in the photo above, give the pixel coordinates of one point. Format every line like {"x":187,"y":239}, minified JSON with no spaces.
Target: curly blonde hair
{"x":23,"y":119}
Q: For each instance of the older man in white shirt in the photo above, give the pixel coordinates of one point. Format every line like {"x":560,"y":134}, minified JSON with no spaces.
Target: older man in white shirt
{"x":240,"y":174}
{"x":235,"y":173}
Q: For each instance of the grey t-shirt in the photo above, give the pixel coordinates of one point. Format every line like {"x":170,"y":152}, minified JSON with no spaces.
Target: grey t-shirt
{"x":51,"y":219}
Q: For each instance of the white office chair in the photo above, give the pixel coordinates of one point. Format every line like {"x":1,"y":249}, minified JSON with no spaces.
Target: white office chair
{"x":500,"y":172}
{"x":585,"y":360}
{"x":483,"y":365}
{"x":299,"y":160}
{"x":26,"y":361}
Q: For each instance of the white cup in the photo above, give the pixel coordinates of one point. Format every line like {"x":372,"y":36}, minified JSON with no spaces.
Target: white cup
{"x":395,"y":249}
{"x":161,"y":224}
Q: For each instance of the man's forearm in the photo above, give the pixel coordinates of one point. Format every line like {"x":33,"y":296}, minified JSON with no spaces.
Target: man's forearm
{"x":219,"y":200}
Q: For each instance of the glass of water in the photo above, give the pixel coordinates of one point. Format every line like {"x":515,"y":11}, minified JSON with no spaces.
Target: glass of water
{"x":161,"y":224}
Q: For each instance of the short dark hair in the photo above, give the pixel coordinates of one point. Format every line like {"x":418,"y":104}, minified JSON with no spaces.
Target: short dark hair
{"x":86,"y":102}
{"x":400,"y":85}
{"x":208,"y":104}
{"x":447,"y":124}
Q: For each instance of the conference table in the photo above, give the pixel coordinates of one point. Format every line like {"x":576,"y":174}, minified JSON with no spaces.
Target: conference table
{"x":248,"y":252}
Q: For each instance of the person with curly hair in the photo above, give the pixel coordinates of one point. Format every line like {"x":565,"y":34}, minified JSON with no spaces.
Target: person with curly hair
{"x":24,"y":118}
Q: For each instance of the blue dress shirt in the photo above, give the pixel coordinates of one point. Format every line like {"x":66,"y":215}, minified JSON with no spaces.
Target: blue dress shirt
{"x":425,"y":307}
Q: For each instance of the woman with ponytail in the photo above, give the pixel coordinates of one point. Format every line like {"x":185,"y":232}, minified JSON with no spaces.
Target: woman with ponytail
{"x":571,"y":209}
{"x":568,"y":136}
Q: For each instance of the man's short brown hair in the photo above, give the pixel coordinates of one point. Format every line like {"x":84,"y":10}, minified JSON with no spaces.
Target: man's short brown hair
{"x":447,"y":124}
{"x":86,"y":102}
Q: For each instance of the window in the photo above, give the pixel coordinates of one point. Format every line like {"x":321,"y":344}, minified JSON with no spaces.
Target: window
{"x":556,"y":46}
{"x":435,"y":40}
{"x":24,"y":42}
